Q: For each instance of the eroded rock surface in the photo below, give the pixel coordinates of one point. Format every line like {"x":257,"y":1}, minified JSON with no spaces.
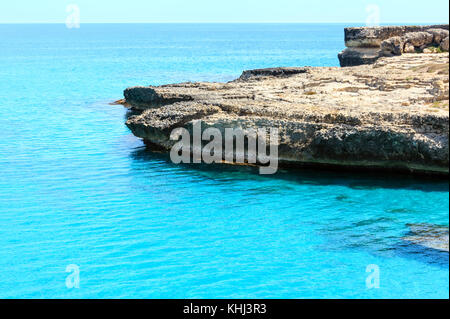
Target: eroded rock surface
{"x":373,"y":36}
{"x":444,"y":44}
{"x":358,"y":56}
{"x":390,"y":115}
{"x":366,"y":44}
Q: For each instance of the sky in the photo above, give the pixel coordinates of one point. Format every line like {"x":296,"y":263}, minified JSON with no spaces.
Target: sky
{"x":219,"y":11}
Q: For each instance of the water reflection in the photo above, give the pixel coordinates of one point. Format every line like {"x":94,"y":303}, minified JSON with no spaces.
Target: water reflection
{"x":361,"y":181}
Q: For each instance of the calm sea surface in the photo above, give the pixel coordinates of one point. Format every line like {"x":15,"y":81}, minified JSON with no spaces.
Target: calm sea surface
{"x":77,"y":188}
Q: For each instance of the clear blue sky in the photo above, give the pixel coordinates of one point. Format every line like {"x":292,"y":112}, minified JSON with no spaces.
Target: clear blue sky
{"x":126,"y":11}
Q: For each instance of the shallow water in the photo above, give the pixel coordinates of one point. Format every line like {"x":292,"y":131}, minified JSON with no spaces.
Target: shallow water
{"x":77,"y":188}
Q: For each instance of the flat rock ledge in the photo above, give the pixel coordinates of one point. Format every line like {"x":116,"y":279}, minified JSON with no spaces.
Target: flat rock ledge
{"x":390,"y":115}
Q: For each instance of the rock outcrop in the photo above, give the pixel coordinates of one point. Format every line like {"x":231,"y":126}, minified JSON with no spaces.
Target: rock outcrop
{"x":279,"y":72}
{"x":391,"y":115}
{"x":366,"y":44}
{"x":444,"y":44}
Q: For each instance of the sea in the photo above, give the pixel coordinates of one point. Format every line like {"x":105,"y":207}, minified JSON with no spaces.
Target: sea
{"x":86,"y":211}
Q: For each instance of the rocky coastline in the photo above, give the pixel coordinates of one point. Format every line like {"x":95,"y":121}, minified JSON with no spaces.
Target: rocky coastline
{"x":390,"y":114}
{"x":365,"y":45}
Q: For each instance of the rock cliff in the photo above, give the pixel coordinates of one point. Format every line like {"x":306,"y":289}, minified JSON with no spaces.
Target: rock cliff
{"x":367,"y":44}
{"x":390,"y":115}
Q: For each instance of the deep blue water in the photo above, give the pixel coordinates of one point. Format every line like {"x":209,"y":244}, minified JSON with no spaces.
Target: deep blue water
{"x":77,"y":188}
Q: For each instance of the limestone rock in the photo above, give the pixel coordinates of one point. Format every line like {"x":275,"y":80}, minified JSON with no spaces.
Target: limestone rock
{"x":363,"y":42}
{"x":444,"y":44}
{"x":418,"y":39}
{"x":358,"y":56}
{"x":438,"y":35}
{"x":281,"y":72}
{"x":409,"y":48}
{"x":392,"y":46}
{"x":390,"y":115}
{"x":147,"y":96}
{"x":373,"y":36}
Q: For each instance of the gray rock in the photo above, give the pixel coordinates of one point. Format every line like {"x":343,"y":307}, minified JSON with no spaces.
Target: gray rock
{"x":386,"y":40}
{"x":145,"y":96}
{"x":373,"y":36}
{"x":279,"y":72}
{"x":358,"y":56}
{"x":418,"y":39}
{"x":438,"y":35}
{"x":444,"y":44}
{"x":392,"y":46}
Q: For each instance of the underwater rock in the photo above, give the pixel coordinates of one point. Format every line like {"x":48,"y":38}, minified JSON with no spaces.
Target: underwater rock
{"x":429,"y":236}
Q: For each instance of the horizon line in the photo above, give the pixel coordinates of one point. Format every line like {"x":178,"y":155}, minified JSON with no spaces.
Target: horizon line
{"x":269,"y":22}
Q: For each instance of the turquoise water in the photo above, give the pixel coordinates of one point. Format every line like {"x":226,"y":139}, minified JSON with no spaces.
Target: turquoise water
{"x":77,"y":188}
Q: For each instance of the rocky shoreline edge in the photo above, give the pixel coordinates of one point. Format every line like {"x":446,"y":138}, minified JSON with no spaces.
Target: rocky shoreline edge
{"x":390,"y":115}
